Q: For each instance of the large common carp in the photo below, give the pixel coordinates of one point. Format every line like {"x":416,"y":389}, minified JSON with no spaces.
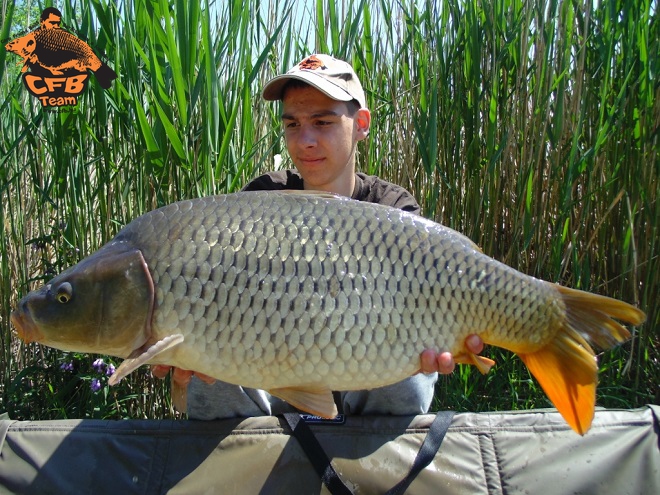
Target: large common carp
{"x":301,"y":294}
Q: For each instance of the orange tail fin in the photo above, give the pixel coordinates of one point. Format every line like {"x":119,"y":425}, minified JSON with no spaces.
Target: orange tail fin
{"x":566,"y":368}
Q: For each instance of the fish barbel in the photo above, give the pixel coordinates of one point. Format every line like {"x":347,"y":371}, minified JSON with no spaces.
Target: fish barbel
{"x":300,"y":294}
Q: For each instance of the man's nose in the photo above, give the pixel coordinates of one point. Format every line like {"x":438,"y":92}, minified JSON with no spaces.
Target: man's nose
{"x":307,"y":137}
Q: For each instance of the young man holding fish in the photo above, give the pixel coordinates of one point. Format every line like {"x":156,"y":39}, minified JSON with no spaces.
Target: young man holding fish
{"x":324,"y":115}
{"x":299,"y":292}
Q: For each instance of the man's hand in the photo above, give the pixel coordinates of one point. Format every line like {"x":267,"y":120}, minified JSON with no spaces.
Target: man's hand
{"x":444,"y":363}
{"x":431,"y":361}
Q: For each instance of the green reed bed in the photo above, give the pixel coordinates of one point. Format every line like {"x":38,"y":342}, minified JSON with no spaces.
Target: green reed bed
{"x":532,"y":127}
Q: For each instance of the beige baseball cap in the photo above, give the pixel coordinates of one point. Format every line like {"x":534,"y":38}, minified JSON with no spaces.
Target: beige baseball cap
{"x":335,"y":78}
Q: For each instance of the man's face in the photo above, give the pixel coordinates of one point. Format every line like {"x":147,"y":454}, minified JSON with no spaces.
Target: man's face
{"x":53,"y":21}
{"x":321,"y":137}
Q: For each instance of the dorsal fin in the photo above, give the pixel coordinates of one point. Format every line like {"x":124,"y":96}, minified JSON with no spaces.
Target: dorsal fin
{"x":313,"y":193}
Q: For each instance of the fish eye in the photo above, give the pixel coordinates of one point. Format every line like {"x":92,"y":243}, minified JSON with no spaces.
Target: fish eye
{"x":64,"y":293}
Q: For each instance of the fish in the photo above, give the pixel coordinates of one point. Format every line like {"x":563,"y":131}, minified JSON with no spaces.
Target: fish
{"x":302,"y":293}
{"x":57,"y":51}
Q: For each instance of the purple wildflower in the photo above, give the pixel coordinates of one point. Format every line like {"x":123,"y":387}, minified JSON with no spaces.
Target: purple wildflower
{"x":99,"y":365}
{"x":67,"y":366}
{"x":95,"y":385}
{"x":110,"y":369}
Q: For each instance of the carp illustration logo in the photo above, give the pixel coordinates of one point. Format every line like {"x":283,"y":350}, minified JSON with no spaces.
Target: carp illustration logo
{"x":58,"y":62}
{"x":312,"y":63}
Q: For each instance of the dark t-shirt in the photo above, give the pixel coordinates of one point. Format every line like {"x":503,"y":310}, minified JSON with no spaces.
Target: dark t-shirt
{"x":367,"y":188}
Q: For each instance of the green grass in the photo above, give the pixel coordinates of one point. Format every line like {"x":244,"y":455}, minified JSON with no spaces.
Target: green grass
{"x":529,"y":126}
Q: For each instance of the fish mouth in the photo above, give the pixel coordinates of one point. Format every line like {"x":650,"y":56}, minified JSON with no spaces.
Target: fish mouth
{"x":25,"y":326}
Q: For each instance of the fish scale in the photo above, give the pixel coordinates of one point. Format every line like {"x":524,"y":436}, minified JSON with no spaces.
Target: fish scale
{"x":302,"y":293}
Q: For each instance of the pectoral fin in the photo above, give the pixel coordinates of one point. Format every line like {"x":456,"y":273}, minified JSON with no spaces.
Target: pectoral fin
{"x":140,"y":357}
{"x":314,"y":400}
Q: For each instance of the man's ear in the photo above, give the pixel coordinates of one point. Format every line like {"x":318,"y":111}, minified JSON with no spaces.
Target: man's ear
{"x":362,"y":123}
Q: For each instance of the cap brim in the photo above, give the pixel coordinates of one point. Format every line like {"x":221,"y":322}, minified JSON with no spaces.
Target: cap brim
{"x":275,"y":87}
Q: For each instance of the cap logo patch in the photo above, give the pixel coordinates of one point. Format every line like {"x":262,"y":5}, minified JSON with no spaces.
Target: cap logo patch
{"x":311,"y":63}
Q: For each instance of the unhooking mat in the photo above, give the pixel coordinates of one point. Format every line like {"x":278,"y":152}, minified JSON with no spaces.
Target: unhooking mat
{"x":531,"y":452}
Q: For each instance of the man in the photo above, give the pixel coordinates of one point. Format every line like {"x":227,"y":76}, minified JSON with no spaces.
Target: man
{"x":324,"y":115}
{"x":51,"y":18}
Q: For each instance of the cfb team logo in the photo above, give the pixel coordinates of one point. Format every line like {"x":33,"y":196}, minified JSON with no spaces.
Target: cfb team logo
{"x":58,"y":62}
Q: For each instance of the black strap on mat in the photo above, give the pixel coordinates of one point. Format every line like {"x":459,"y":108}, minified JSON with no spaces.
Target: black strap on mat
{"x":427,"y":451}
{"x":316,"y":455}
{"x":329,"y":476}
